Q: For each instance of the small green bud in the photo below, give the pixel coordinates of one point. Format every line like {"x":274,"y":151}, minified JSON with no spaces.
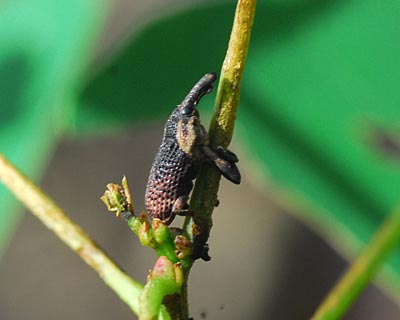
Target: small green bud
{"x":179,"y":276}
{"x":145,"y":234}
{"x":161,"y":231}
{"x":165,"y":269}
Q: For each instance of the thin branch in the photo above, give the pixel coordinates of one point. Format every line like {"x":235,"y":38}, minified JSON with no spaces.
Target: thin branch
{"x":222,"y":124}
{"x":72,"y":235}
{"x":361,"y":271}
{"x":204,"y":196}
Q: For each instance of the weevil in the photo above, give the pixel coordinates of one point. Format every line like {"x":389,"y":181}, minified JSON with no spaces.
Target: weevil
{"x":184,"y":147}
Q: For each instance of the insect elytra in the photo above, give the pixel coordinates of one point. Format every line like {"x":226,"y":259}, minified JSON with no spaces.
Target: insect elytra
{"x":184,"y":147}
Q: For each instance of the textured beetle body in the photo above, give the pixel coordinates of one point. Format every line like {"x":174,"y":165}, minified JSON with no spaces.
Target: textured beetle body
{"x":183,"y":149}
{"x":170,"y":179}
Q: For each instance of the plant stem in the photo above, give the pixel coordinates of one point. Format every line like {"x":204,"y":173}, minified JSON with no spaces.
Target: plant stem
{"x":361,"y":271}
{"x":72,"y":235}
{"x":204,"y":196}
{"x":224,"y":116}
{"x":222,"y":124}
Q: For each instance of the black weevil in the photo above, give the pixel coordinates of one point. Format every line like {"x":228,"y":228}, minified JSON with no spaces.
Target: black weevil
{"x":183,"y":149}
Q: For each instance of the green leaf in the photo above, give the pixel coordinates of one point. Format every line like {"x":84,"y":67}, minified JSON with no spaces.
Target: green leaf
{"x":43,"y":49}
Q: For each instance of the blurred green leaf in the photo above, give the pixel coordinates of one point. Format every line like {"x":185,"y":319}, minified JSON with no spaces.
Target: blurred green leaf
{"x":43,"y":49}
{"x":322,"y":77}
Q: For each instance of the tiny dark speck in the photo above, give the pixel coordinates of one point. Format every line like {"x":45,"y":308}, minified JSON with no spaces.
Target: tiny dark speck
{"x":203,"y":315}
{"x":221,"y":307}
{"x":114,"y":70}
{"x":387,"y":142}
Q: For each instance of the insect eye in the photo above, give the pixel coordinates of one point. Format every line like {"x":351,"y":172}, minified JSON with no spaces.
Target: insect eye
{"x":186,"y":111}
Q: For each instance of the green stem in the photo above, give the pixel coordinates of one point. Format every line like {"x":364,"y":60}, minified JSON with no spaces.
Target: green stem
{"x":361,"y":271}
{"x":184,"y":296}
{"x":163,"y":286}
{"x":222,"y":124}
{"x":156,"y":236}
{"x":204,"y":194}
{"x":72,"y":235}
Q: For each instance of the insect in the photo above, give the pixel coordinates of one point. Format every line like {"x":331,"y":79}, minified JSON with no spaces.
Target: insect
{"x":184,"y":147}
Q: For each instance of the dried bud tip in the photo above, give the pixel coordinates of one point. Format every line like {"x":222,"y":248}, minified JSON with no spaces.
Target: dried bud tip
{"x":118,"y":200}
{"x":195,"y":230}
{"x":183,"y":246}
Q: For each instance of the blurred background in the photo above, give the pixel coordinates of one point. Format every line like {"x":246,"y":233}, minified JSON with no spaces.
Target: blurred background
{"x":85,"y":88}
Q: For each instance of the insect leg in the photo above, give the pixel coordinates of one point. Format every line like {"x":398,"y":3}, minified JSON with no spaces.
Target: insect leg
{"x":181,"y":206}
{"x":227,"y":168}
{"x":226,"y":154}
